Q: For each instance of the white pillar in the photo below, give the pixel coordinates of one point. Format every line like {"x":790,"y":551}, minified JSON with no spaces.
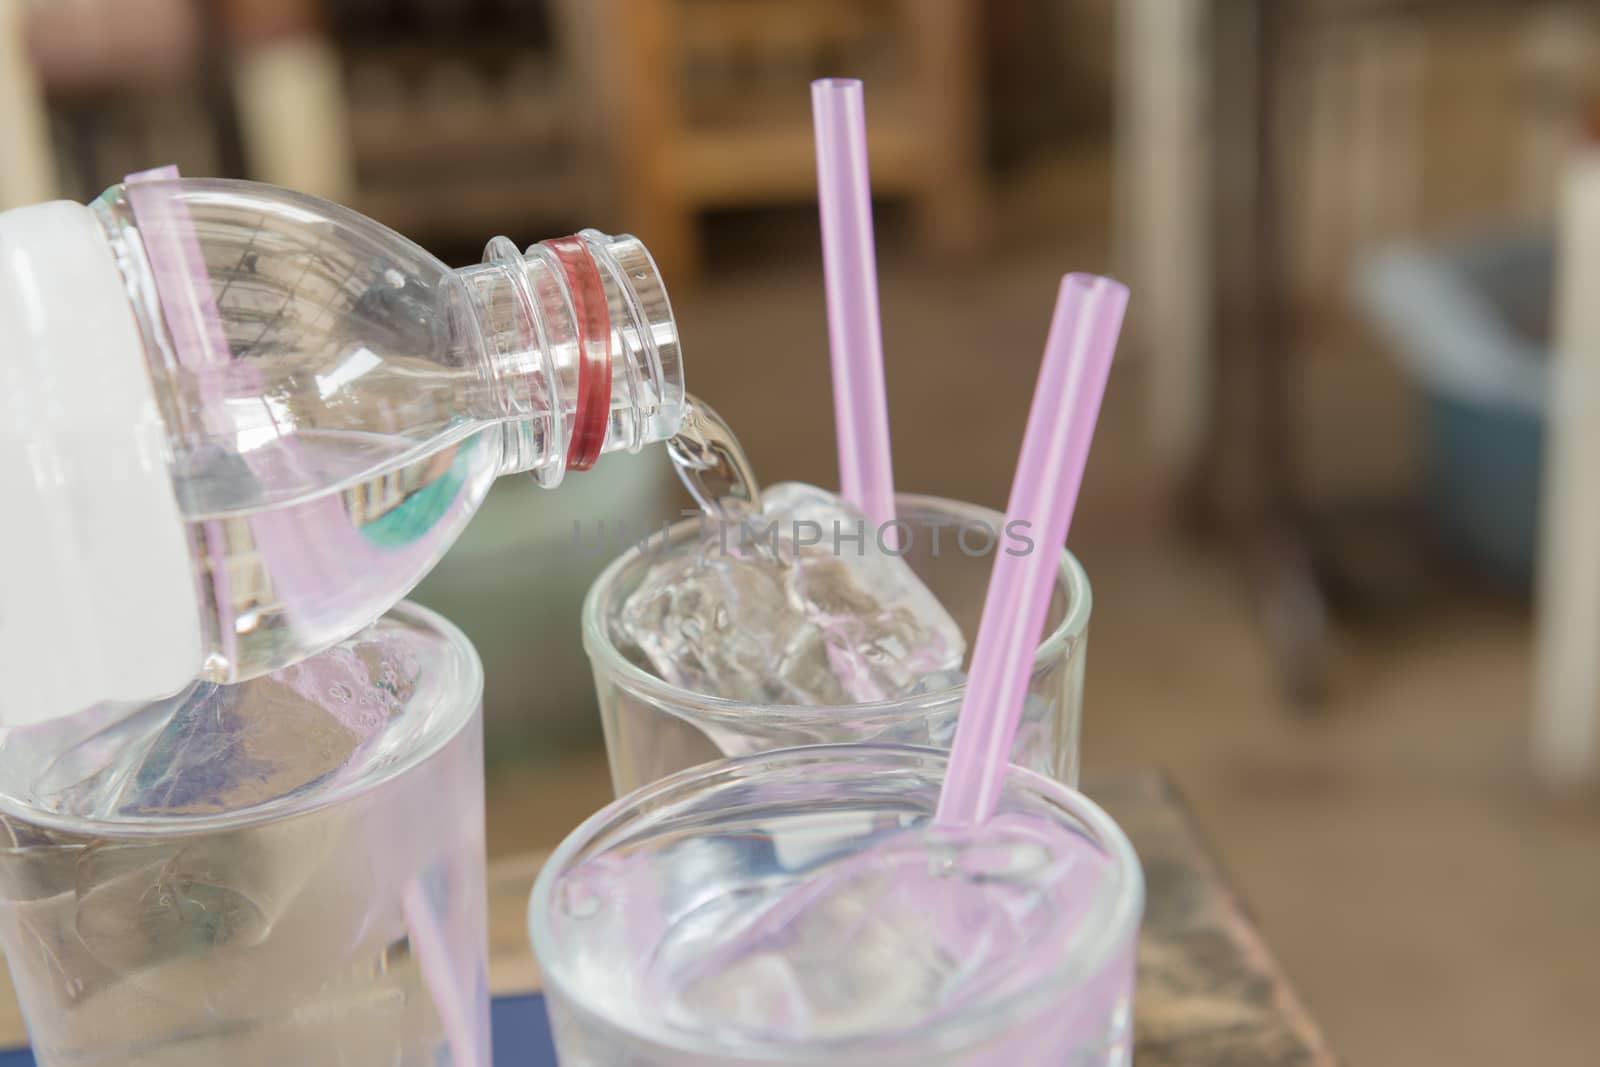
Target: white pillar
{"x":293,"y":115}
{"x":1566,"y":741}
{"x":27,"y":169}
{"x":1555,"y":54}
{"x":1163,"y":189}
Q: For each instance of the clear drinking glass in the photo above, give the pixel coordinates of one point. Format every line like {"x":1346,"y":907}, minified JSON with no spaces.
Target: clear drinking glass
{"x":289,"y":870}
{"x":794,"y":907}
{"x":653,"y":728}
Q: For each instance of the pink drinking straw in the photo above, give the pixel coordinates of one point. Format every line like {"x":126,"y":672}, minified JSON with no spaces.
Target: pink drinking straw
{"x":1055,"y":448}
{"x":849,"y":266}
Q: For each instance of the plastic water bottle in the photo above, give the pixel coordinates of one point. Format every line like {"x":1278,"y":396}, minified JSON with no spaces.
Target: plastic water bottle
{"x":238,"y":423}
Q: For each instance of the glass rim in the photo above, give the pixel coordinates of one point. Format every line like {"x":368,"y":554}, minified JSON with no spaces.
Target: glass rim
{"x":638,"y":682}
{"x":1111,"y":927}
{"x":291,"y":805}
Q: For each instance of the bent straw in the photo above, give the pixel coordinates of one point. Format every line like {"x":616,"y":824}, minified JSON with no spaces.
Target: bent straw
{"x":1055,"y":448}
{"x":452,"y":992}
{"x":855,"y":332}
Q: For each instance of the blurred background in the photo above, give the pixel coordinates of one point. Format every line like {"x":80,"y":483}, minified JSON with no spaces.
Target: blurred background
{"x":1343,"y":530}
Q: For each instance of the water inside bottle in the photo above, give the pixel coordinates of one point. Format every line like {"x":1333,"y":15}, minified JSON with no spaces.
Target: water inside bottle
{"x":285,"y":578}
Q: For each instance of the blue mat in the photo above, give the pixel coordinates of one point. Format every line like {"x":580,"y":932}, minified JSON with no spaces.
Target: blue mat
{"x":521,"y":1035}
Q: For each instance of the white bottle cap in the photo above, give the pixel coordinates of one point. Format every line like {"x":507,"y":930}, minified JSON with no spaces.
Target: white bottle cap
{"x":97,"y":590}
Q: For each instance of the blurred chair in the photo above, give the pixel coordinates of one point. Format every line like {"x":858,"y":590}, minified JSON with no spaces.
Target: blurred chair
{"x":469,"y":118}
{"x":705,"y":105}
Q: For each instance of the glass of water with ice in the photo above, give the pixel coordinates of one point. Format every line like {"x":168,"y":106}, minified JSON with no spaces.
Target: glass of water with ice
{"x":289,"y":870}
{"x":726,"y":638}
{"x":799,"y":907}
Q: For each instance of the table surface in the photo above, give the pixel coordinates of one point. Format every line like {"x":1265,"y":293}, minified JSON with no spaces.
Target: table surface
{"x":1210,"y":993}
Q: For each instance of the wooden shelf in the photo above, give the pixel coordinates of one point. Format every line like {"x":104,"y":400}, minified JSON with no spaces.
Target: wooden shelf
{"x":460,"y":202}
{"x":654,"y":111}
{"x":754,"y":166}
{"x":656,"y":69}
{"x":384,"y":139}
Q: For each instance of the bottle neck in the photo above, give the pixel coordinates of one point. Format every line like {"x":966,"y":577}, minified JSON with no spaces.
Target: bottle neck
{"x":578,"y":349}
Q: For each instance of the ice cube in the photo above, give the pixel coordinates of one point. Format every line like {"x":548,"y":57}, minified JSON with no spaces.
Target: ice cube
{"x":805,"y":608}
{"x":888,"y":936}
{"x":840,"y":966}
{"x":938,"y":681}
{"x":721,"y":624}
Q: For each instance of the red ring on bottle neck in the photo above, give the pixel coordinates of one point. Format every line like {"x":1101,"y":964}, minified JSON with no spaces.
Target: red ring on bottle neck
{"x":592,"y":413}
